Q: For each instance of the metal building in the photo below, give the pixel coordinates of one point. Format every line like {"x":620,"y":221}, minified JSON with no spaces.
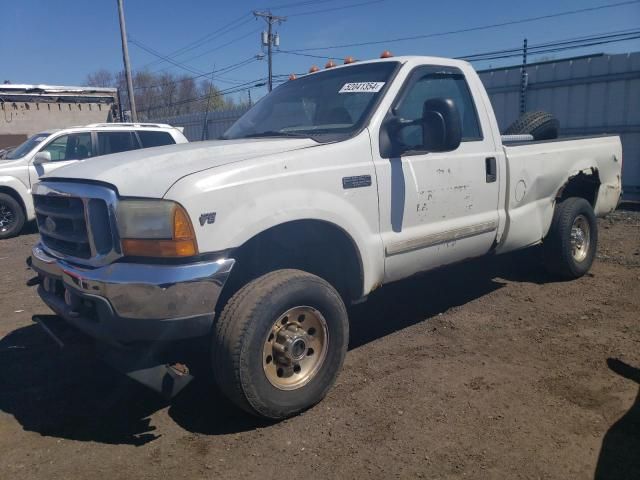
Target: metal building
{"x":589,"y":95}
{"x":29,"y":109}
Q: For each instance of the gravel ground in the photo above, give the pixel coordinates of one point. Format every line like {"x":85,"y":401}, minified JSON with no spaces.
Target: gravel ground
{"x":488,"y":369}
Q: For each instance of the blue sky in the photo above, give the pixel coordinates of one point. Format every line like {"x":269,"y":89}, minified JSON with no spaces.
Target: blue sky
{"x":62,"y":44}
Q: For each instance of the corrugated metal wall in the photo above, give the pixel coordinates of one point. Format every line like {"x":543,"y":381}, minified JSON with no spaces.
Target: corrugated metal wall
{"x":589,"y":95}
{"x":217,"y":123}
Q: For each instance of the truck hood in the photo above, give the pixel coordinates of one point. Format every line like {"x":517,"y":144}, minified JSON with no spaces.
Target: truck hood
{"x":150,"y":172}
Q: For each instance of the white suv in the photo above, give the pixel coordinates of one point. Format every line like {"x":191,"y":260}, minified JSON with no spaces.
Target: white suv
{"x":47,"y":151}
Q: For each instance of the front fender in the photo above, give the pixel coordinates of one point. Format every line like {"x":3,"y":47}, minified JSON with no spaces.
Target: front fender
{"x":251,"y":197}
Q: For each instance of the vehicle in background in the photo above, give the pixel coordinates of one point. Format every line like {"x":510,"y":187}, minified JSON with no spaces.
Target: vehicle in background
{"x":44,"y":152}
{"x":6,"y":151}
{"x":332,"y":185}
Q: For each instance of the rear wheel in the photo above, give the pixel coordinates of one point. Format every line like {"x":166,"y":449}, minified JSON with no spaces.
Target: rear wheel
{"x":570,"y":246}
{"x":12,"y":216}
{"x":280,"y":343}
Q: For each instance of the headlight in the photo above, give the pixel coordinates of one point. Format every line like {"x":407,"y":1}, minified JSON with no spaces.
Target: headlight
{"x":155,"y":228}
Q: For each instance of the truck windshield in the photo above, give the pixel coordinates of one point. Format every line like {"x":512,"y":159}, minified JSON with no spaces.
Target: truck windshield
{"x":328,"y":106}
{"x":27,"y":146}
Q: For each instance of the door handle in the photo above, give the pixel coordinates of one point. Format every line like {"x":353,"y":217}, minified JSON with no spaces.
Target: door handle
{"x":490,"y":167}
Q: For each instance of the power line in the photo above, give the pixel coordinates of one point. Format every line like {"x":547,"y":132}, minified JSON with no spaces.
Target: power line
{"x":343,"y":7}
{"x":472,"y":29}
{"x":297,"y":4}
{"x":240,"y":88}
{"x":206,"y":38}
{"x":166,"y":59}
{"x":547,"y":47}
{"x":225,"y":45}
{"x":554,"y":46}
{"x":226,"y":69}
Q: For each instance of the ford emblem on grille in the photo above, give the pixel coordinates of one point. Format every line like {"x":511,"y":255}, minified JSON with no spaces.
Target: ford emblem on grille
{"x":50,"y":224}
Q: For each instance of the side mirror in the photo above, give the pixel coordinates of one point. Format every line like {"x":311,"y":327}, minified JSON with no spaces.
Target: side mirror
{"x":41,"y":157}
{"x":441,"y":125}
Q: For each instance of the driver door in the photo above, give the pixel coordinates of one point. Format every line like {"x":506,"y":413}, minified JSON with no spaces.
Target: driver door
{"x":437,"y":208}
{"x":64,"y":150}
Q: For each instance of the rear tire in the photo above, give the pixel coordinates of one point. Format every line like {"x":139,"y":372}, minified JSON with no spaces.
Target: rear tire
{"x":570,"y":246}
{"x":541,"y":125}
{"x":12,"y":216}
{"x":280,"y":343}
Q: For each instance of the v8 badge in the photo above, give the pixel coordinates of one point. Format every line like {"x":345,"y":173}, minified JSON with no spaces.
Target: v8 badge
{"x":207,"y":218}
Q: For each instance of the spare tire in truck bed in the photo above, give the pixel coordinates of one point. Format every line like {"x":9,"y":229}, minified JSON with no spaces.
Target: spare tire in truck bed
{"x":542,"y":125}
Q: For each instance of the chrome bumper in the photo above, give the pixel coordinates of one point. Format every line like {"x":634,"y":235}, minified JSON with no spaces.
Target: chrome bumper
{"x":131,"y":301}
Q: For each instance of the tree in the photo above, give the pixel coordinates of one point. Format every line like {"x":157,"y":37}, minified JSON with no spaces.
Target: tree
{"x":164,"y":94}
{"x":100,"y":78}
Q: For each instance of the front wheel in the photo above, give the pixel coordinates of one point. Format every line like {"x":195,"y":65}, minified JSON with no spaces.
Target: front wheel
{"x":570,"y":246}
{"x":12,"y":216}
{"x":280,"y":343}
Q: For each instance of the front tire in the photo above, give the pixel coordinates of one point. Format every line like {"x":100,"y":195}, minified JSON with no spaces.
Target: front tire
{"x":280,"y":343}
{"x":570,"y":246}
{"x":12,"y":216}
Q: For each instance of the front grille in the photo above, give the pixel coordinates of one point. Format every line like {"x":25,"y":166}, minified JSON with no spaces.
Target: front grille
{"x":62,"y":221}
{"x":62,"y":225}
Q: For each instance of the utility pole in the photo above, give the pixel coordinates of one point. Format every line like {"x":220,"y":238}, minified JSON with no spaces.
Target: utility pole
{"x":127,"y":66}
{"x":205,"y":124}
{"x":523,"y":79}
{"x":269,"y":39}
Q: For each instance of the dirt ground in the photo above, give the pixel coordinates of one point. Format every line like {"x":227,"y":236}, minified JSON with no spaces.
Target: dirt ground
{"x":487,"y":369}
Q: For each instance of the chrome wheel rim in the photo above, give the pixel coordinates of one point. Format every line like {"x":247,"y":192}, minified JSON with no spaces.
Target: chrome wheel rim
{"x":7,"y":217}
{"x":580,"y":238}
{"x":295,"y":348}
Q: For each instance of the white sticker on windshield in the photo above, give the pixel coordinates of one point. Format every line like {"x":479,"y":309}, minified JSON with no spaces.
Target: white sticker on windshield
{"x":39,"y":139}
{"x":361,"y":87}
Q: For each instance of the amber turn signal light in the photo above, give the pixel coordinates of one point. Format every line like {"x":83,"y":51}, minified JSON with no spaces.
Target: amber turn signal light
{"x":183,"y":243}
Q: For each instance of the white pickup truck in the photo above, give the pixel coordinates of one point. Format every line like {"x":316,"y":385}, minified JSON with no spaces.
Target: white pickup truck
{"x":331,"y":186}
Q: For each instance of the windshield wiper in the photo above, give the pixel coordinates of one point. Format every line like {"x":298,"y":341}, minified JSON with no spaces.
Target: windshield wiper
{"x":275,"y":133}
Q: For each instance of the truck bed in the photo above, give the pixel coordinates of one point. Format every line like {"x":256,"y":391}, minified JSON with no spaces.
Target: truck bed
{"x":537,"y":172}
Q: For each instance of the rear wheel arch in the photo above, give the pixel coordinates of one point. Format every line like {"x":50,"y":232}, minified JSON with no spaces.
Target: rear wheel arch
{"x":584,"y":184}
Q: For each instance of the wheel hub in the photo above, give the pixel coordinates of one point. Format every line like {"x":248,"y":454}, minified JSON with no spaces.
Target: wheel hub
{"x":6,"y":218}
{"x":295,"y":348}
{"x":580,"y":238}
{"x":291,"y":344}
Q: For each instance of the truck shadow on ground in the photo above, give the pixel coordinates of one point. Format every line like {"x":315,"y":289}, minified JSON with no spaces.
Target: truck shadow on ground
{"x":620,"y":453}
{"x":66,"y":393}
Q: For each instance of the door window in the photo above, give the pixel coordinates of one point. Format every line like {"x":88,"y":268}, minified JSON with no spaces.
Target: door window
{"x":115,"y":142}
{"x":427,"y":84}
{"x":75,"y":146}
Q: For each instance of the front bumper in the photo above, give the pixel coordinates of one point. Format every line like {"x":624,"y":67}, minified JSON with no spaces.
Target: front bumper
{"x":127,"y":302}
